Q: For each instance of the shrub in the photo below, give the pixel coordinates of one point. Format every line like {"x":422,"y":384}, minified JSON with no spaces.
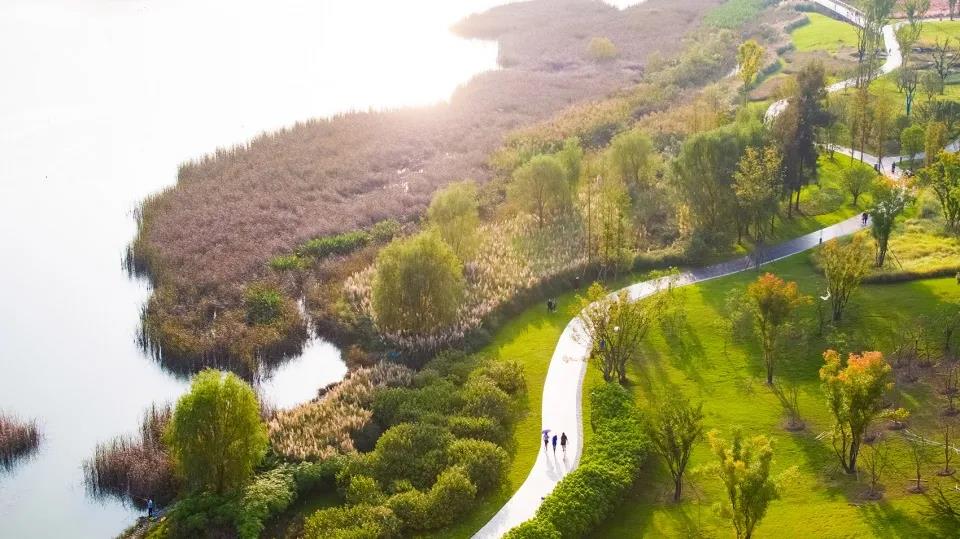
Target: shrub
{"x":352,"y":522}
{"x":484,"y":462}
{"x":398,"y":405}
{"x":263,"y":303}
{"x":268,"y":494}
{"x":411,"y":508}
{"x":384,"y":231}
{"x":533,"y":529}
{"x":507,"y":375}
{"x":450,"y":496}
{"x":484,"y":399}
{"x":313,"y":476}
{"x":412,"y":451}
{"x":586,"y":496}
{"x":477,"y":428}
{"x":364,"y":489}
{"x":601,"y":49}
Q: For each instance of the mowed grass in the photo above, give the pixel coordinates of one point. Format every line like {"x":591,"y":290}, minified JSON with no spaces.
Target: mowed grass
{"x":922,"y":247}
{"x":932,"y":31}
{"x":824,"y":34}
{"x":728,"y":377}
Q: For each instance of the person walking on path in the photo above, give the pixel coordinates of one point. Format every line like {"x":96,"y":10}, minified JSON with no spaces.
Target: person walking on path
{"x":893,"y":167}
{"x":150,"y":509}
{"x":554,"y":444}
{"x":546,"y":439}
{"x":563,"y":442}
{"x":864,"y":218}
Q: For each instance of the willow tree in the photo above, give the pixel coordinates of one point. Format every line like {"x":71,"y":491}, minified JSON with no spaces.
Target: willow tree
{"x":675,"y":427}
{"x":418,"y":286}
{"x":943,"y":178}
{"x":541,"y":187}
{"x":757,"y":184}
{"x":216,"y":436}
{"x":454,"y":213}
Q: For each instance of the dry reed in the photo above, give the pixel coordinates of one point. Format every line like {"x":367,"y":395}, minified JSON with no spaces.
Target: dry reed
{"x":17,"y":439}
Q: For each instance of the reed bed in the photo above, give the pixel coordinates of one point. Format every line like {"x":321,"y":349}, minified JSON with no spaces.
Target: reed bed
{"x":135,"y":468}
{"x":326,"y":426}
{"x":515,"y":257}
{"x":17,"y":440}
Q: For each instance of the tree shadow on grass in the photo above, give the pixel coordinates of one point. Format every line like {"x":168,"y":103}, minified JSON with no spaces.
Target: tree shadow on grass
{"x":887,"y":521}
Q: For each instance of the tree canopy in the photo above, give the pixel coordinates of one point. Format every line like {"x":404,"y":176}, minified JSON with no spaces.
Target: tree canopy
{"x":455,"y":214}
{"x":216,"y":436}
{"x":418,"y":286}
{"x":540,"y":186}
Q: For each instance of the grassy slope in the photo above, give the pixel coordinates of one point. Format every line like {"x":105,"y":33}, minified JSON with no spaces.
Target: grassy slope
{"x":824,"y":34}
{"x":729,"y":379}
{"x":939,"y":30}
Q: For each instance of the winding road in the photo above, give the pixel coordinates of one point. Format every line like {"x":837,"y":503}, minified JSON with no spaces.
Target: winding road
{"x":563,"y":389}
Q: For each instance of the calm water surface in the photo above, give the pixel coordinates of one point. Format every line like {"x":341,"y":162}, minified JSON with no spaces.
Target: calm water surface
{"x":99,"y":102}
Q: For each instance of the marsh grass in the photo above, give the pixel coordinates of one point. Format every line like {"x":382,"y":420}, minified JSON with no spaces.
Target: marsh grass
{"x":135,"y":468}
{"x":18,"y":439}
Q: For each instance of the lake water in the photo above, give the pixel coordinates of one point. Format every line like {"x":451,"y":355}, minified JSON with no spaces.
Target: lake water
{"x":99,"y":102}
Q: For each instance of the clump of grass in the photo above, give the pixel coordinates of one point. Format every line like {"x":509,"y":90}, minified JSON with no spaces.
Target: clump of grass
{"x":136,"y":468}
{"x":17,"y":439}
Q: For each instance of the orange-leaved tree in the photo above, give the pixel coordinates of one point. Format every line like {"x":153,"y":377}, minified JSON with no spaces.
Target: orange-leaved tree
{"x":773,"y":301}
{"x":855,"y":396}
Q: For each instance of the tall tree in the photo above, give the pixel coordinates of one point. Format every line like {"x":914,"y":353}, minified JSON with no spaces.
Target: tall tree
{"x":884,"y":116}
{"x":845,"y":264}
{"x":455,"y":214}
{"x":931,"y":84}
{"x":888,"y":205}
{"x":418,"y":286}
{"x":749,"y":57}
{"x":216,"y":436}
{"x":943,"y":178}
{"x":630,"y":155}
{"x":953,"y":7}
{"x":876,"y":15}
{"x":571,"y":157}
{"x":605,"y":206}
{"x":796,"y":129}
{"x":944,"y":58}
{"x":675,"y":428}
{"x":908,"y":80}
{"x":744,"y":469}
{"x":757,"y":183}
{"x":541,"y":187}
{"x":855,"y":397}
{"x":773,"y":302}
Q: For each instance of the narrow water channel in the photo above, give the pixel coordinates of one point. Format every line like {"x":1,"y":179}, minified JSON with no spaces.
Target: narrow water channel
{"x":100,"y":101}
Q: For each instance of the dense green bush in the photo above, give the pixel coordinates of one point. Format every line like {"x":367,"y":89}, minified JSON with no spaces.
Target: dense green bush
{"x":352,"y":522}
{"x":287,"y":263}
{"x":534,"y":529}
{"x":268,"y":494}
{"x":385,"y":231}
{"x":412,"y":451}
{"x":484,"y":462}
{"x":586,"y":496}
{"x":478,"y":428}
{"x":399,"y":405}
{"x":340,"y":244}
{"x":507,"y":375}
{"x":450,"y":496}
{"x":484,"y":399}
{"x":364,"y":489}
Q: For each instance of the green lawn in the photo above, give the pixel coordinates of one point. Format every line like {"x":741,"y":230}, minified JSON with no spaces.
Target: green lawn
{"x":824,"y":34}
{"x":920,"y":246}
{"x":728,"y":377}
{"x":939,"y":30}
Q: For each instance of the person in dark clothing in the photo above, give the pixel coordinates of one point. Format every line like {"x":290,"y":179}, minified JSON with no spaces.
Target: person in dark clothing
{"x":563,"y":442}
{"x":893,"y":167}
{"x":150,"y":509}
{"x":864,"y":218}
{"x":546,"y":441}
{"x":554,"y":444}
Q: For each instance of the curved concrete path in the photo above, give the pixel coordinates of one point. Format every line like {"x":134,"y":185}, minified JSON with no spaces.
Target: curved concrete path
{"x":563,"y":388}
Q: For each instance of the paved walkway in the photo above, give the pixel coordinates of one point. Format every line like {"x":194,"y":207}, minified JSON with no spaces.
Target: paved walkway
{"x":563,"y":388}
